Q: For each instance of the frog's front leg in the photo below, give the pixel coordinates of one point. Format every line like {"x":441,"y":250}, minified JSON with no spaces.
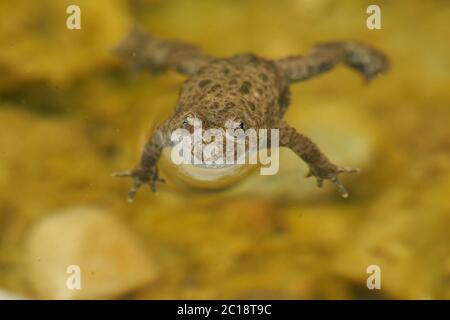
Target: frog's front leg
{"x":146,"y":172}
{"x":319,"y":165}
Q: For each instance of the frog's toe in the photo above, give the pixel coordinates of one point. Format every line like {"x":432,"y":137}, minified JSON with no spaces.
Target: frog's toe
{"x":348,"y":170}
{"x":339,"y":186}
{"x":134,"y":189}
{"x":136,"y":182}
{"x":122,"y":174}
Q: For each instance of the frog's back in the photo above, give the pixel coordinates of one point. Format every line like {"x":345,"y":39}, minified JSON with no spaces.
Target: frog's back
{"x":245,"y":84}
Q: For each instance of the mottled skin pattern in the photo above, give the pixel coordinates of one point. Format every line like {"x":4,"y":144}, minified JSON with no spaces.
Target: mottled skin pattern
{"x":245,"y":88}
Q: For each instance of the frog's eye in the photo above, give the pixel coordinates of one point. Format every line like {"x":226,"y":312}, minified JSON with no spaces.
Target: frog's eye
{"x":187,"y":121}
{"x":242,"y":125}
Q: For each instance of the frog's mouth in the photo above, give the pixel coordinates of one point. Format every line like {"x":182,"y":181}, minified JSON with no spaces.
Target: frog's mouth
{"x":214,"y":165}
{"x":220,"y":161}
{"x":210,"y":172}
{"x":202,"y":171}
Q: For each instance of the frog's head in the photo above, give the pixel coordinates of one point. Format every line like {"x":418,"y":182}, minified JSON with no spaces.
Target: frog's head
{"x":216,"y":140}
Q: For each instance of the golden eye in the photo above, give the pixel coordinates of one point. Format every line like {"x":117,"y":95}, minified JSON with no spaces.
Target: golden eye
{"x":242,"y":125}
{"x":187,"y":121}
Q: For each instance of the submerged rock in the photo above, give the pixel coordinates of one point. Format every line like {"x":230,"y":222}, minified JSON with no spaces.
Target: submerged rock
{"x":88,"y":243}
{"x":5,"y":295}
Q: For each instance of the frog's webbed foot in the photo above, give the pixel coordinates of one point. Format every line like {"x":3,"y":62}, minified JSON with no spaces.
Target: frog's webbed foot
{"x":319,"y":165}
{"x":323,"y":57}
{"x":140,"y":176}
{"x":331,"y":172}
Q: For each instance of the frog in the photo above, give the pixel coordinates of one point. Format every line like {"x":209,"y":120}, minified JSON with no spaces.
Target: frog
{"x":244,"y":88}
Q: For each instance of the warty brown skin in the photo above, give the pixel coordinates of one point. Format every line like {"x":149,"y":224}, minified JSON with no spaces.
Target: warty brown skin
{"x":245,"y":88}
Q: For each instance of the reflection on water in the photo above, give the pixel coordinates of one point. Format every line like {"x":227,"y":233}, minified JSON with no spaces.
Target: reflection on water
{"x":71,"y":116}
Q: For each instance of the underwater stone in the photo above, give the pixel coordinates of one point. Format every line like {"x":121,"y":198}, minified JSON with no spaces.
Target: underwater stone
{"x":110,"y":261}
